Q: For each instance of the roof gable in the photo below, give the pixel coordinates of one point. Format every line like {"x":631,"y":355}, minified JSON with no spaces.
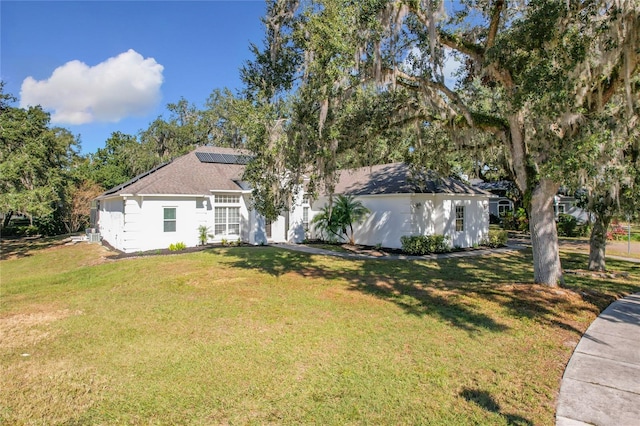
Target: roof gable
{"x":188,"y":175}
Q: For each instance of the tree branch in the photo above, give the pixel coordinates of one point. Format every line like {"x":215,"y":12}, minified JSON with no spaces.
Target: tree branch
{"x":495,"y":23}
{"x":422,"y":83}
{"x":456,"y":43}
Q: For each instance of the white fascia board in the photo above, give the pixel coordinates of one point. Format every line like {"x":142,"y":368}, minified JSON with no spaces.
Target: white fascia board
{"x":230,"y":191}
{"x":169,"y":195}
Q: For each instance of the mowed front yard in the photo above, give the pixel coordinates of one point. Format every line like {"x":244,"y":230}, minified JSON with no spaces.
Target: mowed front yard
{"x":259,"y":335}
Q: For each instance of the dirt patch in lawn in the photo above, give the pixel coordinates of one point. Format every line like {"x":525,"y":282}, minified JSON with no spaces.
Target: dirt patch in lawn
{"x":28,"y":329}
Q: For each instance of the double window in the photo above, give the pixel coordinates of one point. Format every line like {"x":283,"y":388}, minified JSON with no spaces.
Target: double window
{"x":169,"y":219}
{"x":459,"y":218}
{"x":227,"y":214}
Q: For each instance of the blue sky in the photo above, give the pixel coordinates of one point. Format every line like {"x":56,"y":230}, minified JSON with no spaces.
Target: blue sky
{"x":105,"y":66}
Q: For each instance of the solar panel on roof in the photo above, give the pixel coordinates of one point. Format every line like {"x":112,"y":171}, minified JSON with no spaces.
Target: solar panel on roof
{"x":214,"y":157}
{"x":243,"y":159}
{"x":203,"y":156}
{"x":229,"y":159}
{"x":217,"y":158}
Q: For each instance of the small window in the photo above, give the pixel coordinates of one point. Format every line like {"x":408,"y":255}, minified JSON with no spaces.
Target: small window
{"x":561,"y":209}
{"x":169,"y":219}
{"x":305,"y":199}
{"x":503,"y":208}
{"x":305,"y":218}
{"x":459,"y":218}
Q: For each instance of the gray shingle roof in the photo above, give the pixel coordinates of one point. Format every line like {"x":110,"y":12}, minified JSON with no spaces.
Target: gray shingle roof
{"x":399,"y":178}
{"x":186,"y":175}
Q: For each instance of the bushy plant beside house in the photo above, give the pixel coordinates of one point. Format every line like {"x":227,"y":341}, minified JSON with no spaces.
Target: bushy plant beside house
{"x":177,"y":246}
{"x":495,"y":239}
{"x":418,"y":245}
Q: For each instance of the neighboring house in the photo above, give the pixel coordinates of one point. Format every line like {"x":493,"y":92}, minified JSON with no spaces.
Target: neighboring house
{"x":502,"y":203}
{"x":403,"y":202}
{"x":167,"y":205}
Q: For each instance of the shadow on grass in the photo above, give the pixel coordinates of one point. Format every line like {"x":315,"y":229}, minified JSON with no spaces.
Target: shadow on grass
{"x":444,"y":288}
{"x":24,"y":246}
{"x":607,"y":291}
{"x":485,"y":401}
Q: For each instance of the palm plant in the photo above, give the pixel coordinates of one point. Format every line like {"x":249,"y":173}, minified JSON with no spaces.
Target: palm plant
{"x":350,"y":211}
{"x":204,"y":234}
{"x":335,"y":218}
{"x":325,"y":221}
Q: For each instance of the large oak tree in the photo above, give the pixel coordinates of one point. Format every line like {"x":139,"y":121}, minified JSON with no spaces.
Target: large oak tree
{"x":534,"y":72}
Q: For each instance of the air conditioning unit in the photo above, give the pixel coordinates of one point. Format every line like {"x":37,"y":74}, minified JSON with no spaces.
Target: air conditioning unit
{"x":93,"y":235}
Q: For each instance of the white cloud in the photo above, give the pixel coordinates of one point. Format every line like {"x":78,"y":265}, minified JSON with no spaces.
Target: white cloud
{"x":122,"y":86}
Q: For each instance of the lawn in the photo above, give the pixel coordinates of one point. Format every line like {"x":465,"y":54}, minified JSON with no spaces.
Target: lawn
{"x":255,"y":335}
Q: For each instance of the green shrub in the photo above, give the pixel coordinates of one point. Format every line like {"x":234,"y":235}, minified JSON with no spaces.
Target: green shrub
{"x":516,"y":220}
{"x":495,"y":239}
{"x":567,"y":225}
{"x":583,"y":230}
{"x":50,"y":225}
{"x":425,"y":244}
{"x":20,"y":231}
{"x":177,"y":246}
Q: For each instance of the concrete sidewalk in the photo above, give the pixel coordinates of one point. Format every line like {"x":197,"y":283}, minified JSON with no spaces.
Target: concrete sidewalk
{"x":601,"y":384}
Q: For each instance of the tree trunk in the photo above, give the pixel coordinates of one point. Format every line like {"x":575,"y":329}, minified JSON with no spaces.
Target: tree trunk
{"x":7,"y":218}
{"x":598,"y":243}
{"x":544,"y":235}
{"x":542,"y":221}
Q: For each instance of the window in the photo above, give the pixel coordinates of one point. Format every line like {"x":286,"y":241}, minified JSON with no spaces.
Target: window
{"x":169,"y":219}
{"x":227,"y":199}
{"x":459,"y":218}
{"x":305,"y":199}
{"x":561,"y":209}
{"x":305,"y":218}
{"x":227,"y":220}
{"x":503,"y":207}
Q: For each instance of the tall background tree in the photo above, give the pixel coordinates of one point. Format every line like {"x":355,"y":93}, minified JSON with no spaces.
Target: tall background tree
{"x":34,"y":161}
{"x":534,"y":74}
{"x":607,"y":171}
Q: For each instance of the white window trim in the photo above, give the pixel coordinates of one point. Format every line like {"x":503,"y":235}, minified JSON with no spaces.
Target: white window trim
{"x":174,"y":220}
{"x":226,"y":222}
{"x":455,"y":211}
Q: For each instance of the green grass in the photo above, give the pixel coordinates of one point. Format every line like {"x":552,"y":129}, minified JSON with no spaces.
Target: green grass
{"x":255,"y":335}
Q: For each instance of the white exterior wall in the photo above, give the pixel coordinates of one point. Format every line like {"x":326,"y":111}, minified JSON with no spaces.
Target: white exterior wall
{"x":390,"y":218}
{"x":297,"y":232}
{"x":396,"y":215}
{"x":144,"y":222}
{"x":136,"y":223}
{"x":476,"y":220}
{"x":111,"y":221}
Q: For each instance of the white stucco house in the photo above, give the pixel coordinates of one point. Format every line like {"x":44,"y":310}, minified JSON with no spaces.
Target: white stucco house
{"x":168,"y":204}
{"x":404,"y":201}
